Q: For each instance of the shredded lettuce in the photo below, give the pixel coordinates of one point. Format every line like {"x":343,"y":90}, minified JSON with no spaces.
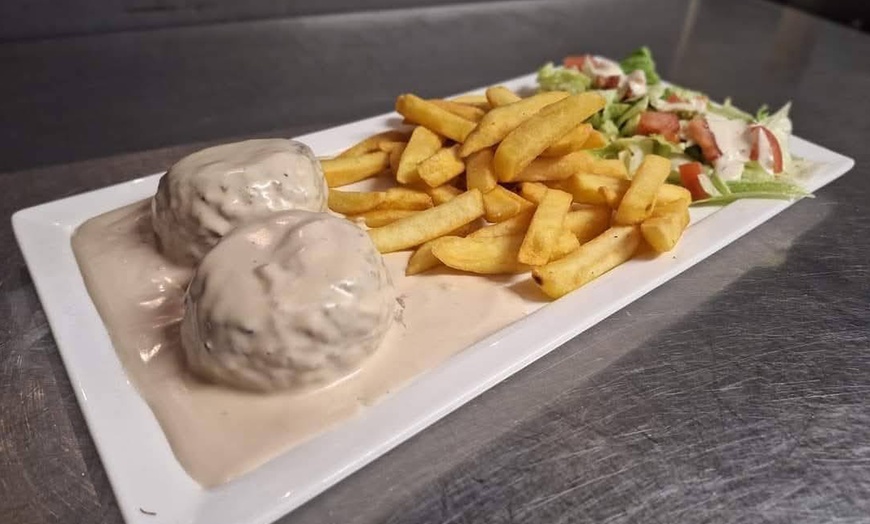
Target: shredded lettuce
{"x":762,"y":113}
{"x":728,"y":110}
{"x":641,"y":59}
{"x":558,"y":78}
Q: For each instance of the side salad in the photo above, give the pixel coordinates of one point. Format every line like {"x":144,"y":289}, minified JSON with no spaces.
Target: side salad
{"x":717,"y":151}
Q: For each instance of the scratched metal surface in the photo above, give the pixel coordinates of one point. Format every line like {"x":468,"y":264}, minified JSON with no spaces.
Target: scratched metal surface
{"x":735,"y":393}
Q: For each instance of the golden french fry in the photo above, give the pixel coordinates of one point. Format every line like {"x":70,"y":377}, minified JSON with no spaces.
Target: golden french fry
{"x":673,"y":193}
{"x":501,"y":204}
{"x":478,"y":101}
{"x":640,"y":198}
{"x":486,"y":256}
{"x":373,"y":142}
{"x":515,"y":225}
{"x":429,"y":224}
{"x":608,"y":166}
{"x":467,"y":112}
{"x":347,"y":170}
{"x":405,"y":198}
{"x":499,"y":122}
{"x":533,"y":191}
{"x":545,"y":227}
{"x":479,"y":173}
{"x":395,"y":158}
{"x":596,"y":140}
{"x":534,"y":135}
{"x":586,"y":162}
{"x":423,"y":259}
{"x":593,"y":189}
{"x":501,"y":96}
{"x":663,"y":230}
{"x":591,"y":260}
{"x":382,"y":217}
{"x":557,"y":168}
{"x":389,"y":145}
{"x":588,"y":222}
{"x":573,"y":141}
{"x":442,"y":167}
{"x":566,"y":243}
{"x":422,"y":144}
{"x":443,"y":193}
{"x":433,"y":117}
{"x":354,"y":202}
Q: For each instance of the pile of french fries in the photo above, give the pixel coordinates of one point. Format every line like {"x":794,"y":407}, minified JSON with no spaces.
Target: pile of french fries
{"x":499,"y":184}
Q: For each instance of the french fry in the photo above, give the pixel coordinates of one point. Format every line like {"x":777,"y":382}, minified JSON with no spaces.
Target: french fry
{"x":566,"y":243}
{"x":596,"y":140}
{"x":489,"y":255}
{"x":573,"y":141}
{"x":382,"y":217}
{"x":673,"y":193}
{"x":443,"y":193}
{"x":388,"y":145}
{"x":533,"y":191}
{"x":459,"y":109}
{"x":422,"y":144}
{"x":588,"y":222}
{"x":478,"y":101}
{"x":429,"y":224}
{"x":433,"y":117}
{"x":485,"y":256}
{"x":501,"y":96}
{"x":595,"y":189}
{"x":587,"y":162}
{"x":663,"y":230}
{"x":591,"y":260}
{"x":405,"y":198}
{"x":499,"y":122}
{"x":501,"y":204}
{"x":534,"y":135}
{"x":640,"y":198}
{"x":442,"y":167}
{"x":609,"y":167}
{"x":545,"y":227}
{"x":354,"y":202}
{"x":395,"y":158}
{"x":347,"y":170}
{"x":515,"y":225}
{"x":423,"y":259}
{"x":479,"y":173}
{"x":373,"y":142}
{"x":558,"y":168}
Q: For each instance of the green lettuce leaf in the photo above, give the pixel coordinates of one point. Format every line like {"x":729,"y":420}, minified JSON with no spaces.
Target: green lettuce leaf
{"x":641,"y":59}
{"x":558,"y":78}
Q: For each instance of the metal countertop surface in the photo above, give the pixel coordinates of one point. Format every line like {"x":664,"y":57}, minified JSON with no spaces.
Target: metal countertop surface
{"x":736,"y":392}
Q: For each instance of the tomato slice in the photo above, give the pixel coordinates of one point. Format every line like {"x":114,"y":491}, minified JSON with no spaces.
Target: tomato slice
{"x":575,"y":61}
{"x":689,"y":174}
{"x":775,"y":149}
{"x":699,"y":131}
{"x":674,"y":98}
{"x":659,"y":123}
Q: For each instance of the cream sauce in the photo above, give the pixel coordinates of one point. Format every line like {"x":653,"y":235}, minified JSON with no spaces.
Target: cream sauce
{"x":732,"y":138}
{"x":218,"y":433}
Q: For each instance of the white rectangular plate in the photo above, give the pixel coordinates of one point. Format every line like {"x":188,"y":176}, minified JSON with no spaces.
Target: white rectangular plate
{"x":140,"y":465}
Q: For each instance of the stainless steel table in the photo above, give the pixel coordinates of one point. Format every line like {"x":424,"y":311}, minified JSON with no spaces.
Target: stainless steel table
{"x":735,"y":393}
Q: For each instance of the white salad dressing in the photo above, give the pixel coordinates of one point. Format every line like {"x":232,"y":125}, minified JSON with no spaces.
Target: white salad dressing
{"x":218,"y":432}
{"x":734,"y":142}
{"x":765,"y":152}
